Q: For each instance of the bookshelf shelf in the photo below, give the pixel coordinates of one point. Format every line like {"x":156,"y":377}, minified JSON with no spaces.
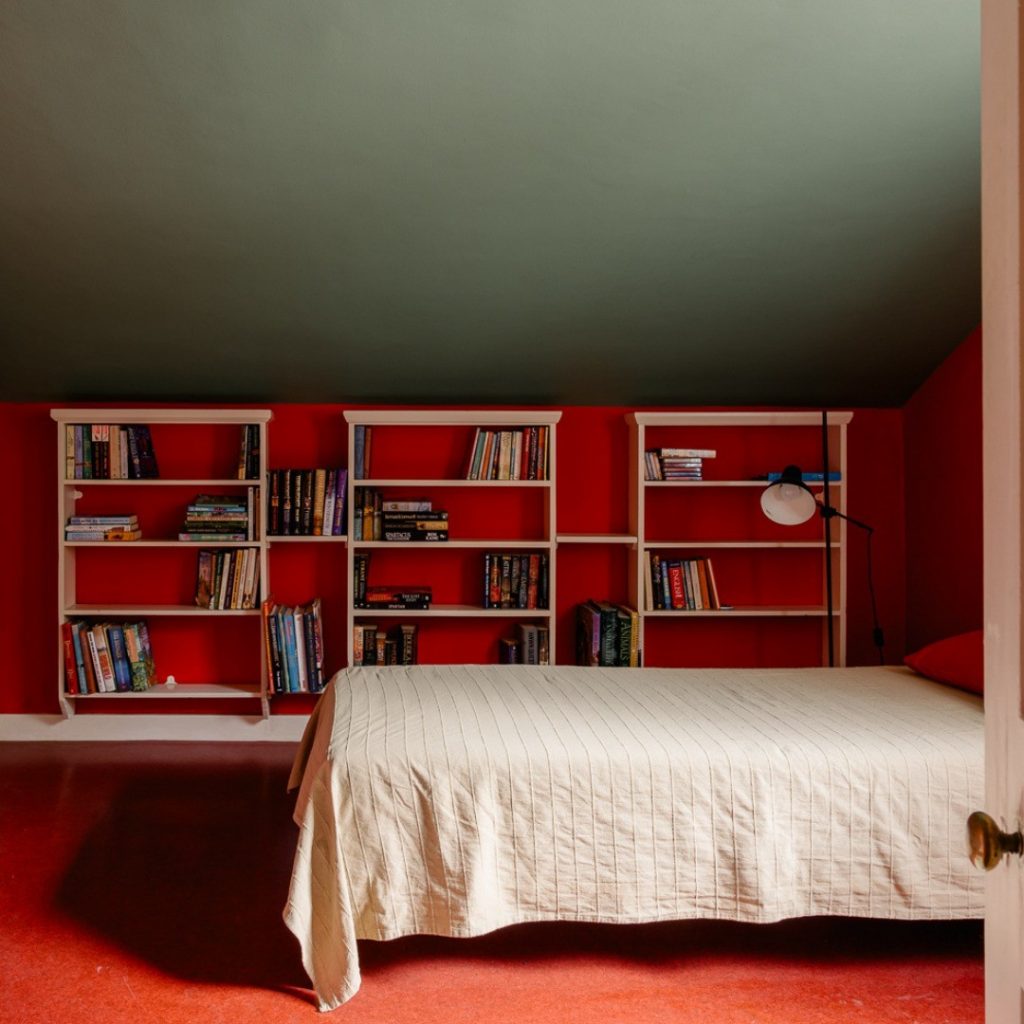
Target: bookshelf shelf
{"x":672,"y":515}
{"x":120,"y":544}
{"x":454,"y":611}
{"x":760,"y":484}
{"x":340,"y":538}
{"x":748,"y":611}
{"x":525,"y":545}
{"x":182,"y":691}
{"x":450,"y":482}
{"x":87,"y":611}
{"x":597,"y":538}
{"x":164,"y":482}
{"x":413,"y":458}
{"x":739,"y":544}
{"x":209,"y":448}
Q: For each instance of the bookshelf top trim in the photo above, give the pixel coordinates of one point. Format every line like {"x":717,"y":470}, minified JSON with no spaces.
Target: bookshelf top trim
{"x":453,"y":417}
{"x":180,"y":416}
{"x":736,"y":419}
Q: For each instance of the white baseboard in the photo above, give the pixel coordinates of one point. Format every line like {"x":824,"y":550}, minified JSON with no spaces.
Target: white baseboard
{"x":115,"y":728}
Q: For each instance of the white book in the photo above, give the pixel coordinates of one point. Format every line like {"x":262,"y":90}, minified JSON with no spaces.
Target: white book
{"x":300,"y":650}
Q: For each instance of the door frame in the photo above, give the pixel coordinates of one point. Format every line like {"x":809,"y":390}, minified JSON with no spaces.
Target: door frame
{"x":1002,"y":431}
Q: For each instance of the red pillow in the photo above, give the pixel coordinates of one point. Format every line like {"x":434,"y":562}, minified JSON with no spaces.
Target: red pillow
{"x":957,"y":660}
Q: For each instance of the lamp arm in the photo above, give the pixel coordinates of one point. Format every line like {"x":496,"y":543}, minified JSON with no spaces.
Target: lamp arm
{"x":831,"y":512}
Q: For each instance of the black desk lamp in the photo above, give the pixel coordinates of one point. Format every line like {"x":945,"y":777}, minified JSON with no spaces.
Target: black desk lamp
{"x":789,"y":502}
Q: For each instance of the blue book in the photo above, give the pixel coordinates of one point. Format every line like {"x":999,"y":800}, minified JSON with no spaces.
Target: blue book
{"x":360,"y":449}
{"x":290,"y":651}
{"x":833,"y":476}
{"x":76,"y":639}
{"x":119,"y":657}
{"x":339,"y":525}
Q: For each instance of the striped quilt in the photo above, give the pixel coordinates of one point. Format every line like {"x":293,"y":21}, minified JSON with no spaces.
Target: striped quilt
{"x":454,"y":800}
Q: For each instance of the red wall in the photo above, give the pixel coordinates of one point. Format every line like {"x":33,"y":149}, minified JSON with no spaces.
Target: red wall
{"x":592,"y":497}
{"x":942,"y":432}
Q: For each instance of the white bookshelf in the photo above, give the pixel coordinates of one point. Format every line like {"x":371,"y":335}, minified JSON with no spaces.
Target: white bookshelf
{"x":418,"y":423}
{"x":643,"y":492}
{"x":71,"y":491}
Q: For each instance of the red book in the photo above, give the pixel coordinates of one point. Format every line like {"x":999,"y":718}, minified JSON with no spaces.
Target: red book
{"x":675,"y":583}
{"x":90,"y":674}
{"x":70,"y":666}
{"x":532,"y":580}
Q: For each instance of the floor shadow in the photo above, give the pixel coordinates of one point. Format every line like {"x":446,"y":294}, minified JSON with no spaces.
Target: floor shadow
{"x":188,"y":868}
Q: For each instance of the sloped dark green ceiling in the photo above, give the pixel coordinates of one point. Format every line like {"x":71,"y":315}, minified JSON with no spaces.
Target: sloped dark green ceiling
{"x":582,"y":201}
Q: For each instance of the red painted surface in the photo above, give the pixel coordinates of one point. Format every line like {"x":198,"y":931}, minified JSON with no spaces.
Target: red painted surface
{"x":942,"y":426}
{"x":592,"y":497}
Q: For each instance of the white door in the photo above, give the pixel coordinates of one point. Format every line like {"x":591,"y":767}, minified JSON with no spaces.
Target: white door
{"x":1003,"y":436}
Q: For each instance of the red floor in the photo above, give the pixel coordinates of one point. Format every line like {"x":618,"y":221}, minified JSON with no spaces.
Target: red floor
{"x":144,"y":883}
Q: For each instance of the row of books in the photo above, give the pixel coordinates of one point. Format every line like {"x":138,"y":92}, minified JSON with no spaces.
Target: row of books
{"x":385,"y":596}
{"x":307,"y":502}
{"x":530,"y":646}
{"x":249,"y":452}
{"x":520,"y":454}
{"x":374,"y":646}
{"x":363,"y":442}
{"x":103,"y":528}
{"x":108,"y":451}
{"x":228,"y":579}
{"x":107,"y":657}
{"x":676,"y":463}
{"x":221,"y":517}
{"x":406,"y":519}
{"x":683,"y":585}
{"x":515,"y":580}
{"x":294,"y":647}
{"x":607,"y":635}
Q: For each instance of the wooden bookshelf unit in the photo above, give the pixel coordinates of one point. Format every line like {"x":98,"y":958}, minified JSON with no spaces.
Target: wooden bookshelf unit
{"x":421,"y":453}
{"x":200,"y":461}
{"x":762,"y":570}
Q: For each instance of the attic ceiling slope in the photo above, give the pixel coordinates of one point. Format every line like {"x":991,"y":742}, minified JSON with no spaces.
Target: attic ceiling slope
{"x":581,"y":202}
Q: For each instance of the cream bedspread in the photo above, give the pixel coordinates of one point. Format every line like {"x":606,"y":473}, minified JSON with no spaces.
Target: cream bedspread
{"x":454,"y":800}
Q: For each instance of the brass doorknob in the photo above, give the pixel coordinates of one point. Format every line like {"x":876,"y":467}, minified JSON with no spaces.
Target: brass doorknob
{"x":988,"y":842}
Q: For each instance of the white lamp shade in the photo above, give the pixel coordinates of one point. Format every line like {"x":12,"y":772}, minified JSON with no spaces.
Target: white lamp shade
{"x":788,"y":504}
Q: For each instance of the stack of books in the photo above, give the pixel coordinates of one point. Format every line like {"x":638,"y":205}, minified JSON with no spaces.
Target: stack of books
{"x":104,"y":528}
{"x":228,"y":579}
{"x":682,"y":585}
{"x":413,"y":520}
{"x":107,"y":451}
{"x":676,"y":463}
{"x":107,"y":657}
{"x":515,"y":580}
{"x":520,"y":454}
{"x":385,"y":596}
{"x":307,"y":502}
{"x":294,"y":647}
{"x":607,"y":635}
{"x":372,"y":646}
{"x":529,"y":647}
{"x":249,"y":452}
{"x":220,"y":517}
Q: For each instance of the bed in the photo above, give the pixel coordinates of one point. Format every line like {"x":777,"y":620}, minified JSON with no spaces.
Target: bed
{"x":455,"y":800}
